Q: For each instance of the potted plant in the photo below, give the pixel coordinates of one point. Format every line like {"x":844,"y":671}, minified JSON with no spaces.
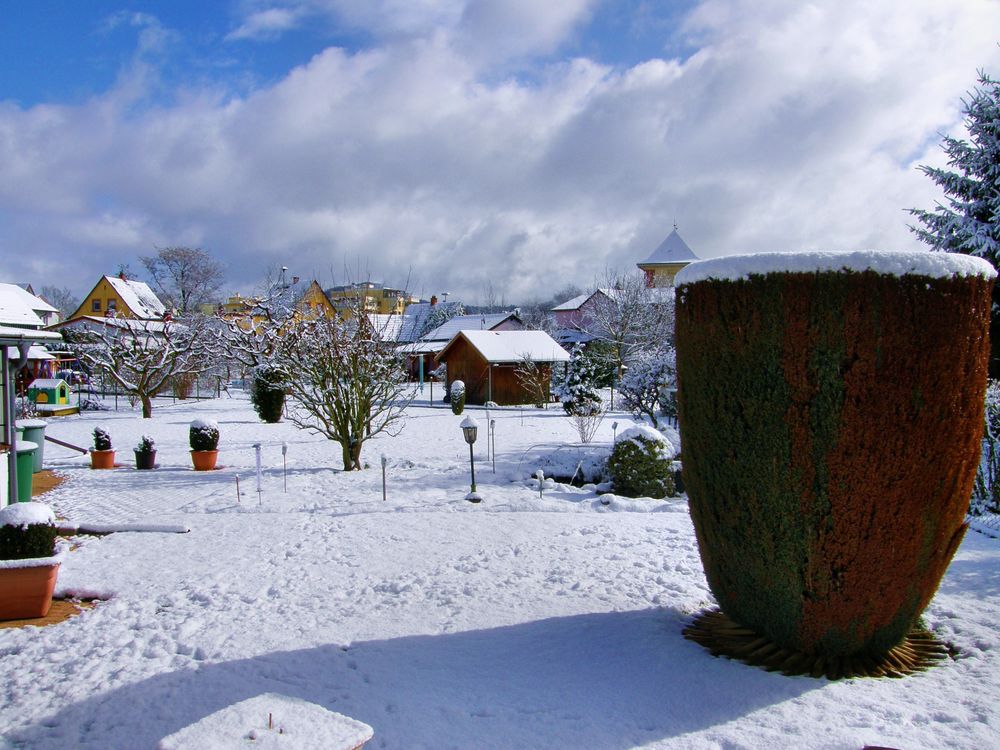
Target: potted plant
{"x":28,"y":563}
{"x":102,"y":455}
{"x":145,"y":453}
{"x":204,"y":438}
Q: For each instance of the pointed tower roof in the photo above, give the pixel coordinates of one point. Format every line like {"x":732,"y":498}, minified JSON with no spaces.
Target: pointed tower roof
{"x":671,"y":250}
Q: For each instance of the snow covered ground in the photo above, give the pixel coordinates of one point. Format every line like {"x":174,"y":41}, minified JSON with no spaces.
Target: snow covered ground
{"x":523,"y":622}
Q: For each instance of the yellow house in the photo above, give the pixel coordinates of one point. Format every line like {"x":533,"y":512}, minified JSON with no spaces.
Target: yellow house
{"x":373,"y":298}
{"x":666,"y":260}
{"x":124,"y":298}
{"x":314,"y":303}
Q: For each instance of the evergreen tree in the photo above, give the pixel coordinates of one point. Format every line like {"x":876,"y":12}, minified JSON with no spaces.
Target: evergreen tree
{"x":577,"y":391}
{"x":970,"y":222}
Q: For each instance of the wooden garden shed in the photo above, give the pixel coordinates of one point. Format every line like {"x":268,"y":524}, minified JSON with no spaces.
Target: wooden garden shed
{"x":486,"y":361}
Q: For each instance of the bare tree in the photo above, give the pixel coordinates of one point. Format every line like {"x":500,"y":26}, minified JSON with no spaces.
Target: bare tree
{"x":628,"y":318}
{"x":144,"y":356}
{"x":62,"y":299}
{"x":535,"y":379}
{"x":346,"y":382}
{"x":252,"y":335}
{"x":185,"y":277}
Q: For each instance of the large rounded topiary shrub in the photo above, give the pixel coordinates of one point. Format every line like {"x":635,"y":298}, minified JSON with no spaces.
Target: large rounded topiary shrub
{"x":641,"y":464}
{"x":831,"y":408}
{"x":267,"y":393}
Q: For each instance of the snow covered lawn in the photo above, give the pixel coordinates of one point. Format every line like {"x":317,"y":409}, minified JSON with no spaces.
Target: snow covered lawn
{"x":523,"y":622}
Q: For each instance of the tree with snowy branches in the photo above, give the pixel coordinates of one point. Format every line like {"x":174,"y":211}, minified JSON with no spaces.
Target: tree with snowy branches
{"x":345,"y":380}
{"x":970,"y":222}
{"x":252,"y":335}
{"x":646,"y":388}
{"x":577,"y":391}
{"x":627,"y":318}
{"x":145,"y":356}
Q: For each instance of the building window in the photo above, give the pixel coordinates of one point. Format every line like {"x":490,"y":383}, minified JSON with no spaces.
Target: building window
{"x":112,"y":304}
{"x":95,"y":305}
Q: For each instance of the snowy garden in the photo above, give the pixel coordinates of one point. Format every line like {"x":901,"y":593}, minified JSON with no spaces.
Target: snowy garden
{"x":548,"y":615}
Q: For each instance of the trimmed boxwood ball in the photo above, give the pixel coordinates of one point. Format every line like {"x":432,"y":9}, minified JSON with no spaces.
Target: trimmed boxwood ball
{"x":641,"y":464}
{"x":204,"y":435}
{"x":831,"y":425}
{"x":102,"y":439}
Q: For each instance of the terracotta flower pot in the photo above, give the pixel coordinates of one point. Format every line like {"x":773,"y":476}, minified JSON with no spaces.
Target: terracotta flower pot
{"x":204,"y":460}
{"x":145,"y":459}
{"x":831,"y":424}
{"x":26,"y":591}
{"x":102,"y":459}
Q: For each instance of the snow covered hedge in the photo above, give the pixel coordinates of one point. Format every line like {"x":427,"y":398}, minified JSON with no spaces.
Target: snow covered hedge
{"x":831,"y":407}
{"x":641,"y":463}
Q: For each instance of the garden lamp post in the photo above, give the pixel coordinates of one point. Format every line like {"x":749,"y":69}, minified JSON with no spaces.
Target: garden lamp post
{"x":469,"y":429}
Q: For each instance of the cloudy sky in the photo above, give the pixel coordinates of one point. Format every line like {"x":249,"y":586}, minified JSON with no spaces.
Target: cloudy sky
{"x":458,"y":143}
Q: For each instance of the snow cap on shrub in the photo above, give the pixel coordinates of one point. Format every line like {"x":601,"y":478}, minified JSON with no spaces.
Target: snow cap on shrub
{"x":23,"y":515}
{"x":635,"y":432}
{"x":204,"y":435}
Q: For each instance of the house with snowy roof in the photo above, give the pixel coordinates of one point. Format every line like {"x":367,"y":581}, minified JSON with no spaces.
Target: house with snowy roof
{"x":21,"y":310}
{"x":121,"y":297}
{"x":666,"y":260}
{"x":487,"y":362}
{"x":26,"y":294}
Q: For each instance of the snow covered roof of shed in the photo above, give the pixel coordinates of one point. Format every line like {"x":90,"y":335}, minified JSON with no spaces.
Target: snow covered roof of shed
{"x":415,"y":318}
{"x":139,"y":298}
{"x":672,"y":250}
{"x":16,"y":308}
{"x":512,"y":346}
{"x":887,"y":262}
{"x":481,"y":322}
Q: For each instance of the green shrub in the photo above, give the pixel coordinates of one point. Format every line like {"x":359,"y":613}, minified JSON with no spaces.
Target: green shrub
{"x":204,"y":436}
{"x":641,"y":464}
{"x":102,"y":439}
{"x":267,"y":392}
{"x":27,"y":530}
{"x":457,"y":396}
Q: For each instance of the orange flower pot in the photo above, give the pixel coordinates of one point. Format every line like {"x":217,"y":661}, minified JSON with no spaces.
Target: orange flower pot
{"x":204,"y":460}
{"x":102,"y":459}
{"x":26,"y":592}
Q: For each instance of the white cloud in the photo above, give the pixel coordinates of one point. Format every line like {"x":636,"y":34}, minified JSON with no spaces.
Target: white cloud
{"x":793,"y":126}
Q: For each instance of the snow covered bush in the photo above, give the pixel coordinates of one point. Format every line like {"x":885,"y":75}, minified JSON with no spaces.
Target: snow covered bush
{"x":102,"y":439}
{"x":577,"y":392}
{"x":27,"y":530}
{"x":647,"y":387}
{"x":986,"y":490}
{"x":457,"y":396}
{"x":146,"y":444}
{"x":641,"y":463}
{"x":204,"y":435}
{"x":267,"y":392}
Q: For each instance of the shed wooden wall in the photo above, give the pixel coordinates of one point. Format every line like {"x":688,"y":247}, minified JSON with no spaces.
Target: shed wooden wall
{"x":467,"y":365}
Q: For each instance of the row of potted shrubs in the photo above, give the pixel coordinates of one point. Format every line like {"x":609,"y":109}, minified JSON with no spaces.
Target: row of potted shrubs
{"x":203,"y":437}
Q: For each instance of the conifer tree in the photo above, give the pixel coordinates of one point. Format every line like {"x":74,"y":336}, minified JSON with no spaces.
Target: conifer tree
{"x":970,"y":222}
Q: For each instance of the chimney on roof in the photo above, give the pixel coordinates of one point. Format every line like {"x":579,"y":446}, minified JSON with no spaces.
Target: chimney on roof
{"x":434,"y":300}
{"x":121,"y":275}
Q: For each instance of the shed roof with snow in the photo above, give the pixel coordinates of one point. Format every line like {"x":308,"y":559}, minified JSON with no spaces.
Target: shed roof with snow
{"x":482,"y":322}
{"x":511,"y":346}
{"x":18,"y":307}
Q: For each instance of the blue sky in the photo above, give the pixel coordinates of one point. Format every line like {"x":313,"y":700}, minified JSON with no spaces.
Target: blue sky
{"x":460,"y":143}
